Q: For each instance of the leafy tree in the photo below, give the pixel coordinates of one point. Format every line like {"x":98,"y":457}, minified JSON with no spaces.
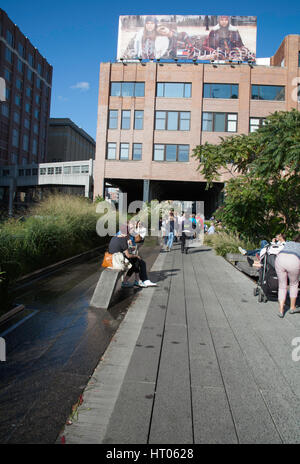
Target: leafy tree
{"x":263,"y":195}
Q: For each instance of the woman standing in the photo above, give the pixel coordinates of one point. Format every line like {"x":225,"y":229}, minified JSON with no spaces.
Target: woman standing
{"x":287,"y":265}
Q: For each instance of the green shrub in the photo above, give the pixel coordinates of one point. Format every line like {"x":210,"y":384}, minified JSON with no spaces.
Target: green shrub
{"x":225,"y":242}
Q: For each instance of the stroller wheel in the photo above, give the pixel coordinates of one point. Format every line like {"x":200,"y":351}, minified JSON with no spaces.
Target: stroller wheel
{"x":260,"y":297}
{"x":255,"y":291}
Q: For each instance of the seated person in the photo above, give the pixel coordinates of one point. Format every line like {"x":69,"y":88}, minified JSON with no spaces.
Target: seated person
{"x":278,"y":240}
{"x":121,"y":243}
{"x":276,"y":245}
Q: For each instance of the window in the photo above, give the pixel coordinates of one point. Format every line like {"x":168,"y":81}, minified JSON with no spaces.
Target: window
{"x":35,"y":128}
{"x":58,"y":170}
{"x":219,"y":122}
{"x":256,"y":123}
{"x":30,"y":59}
{"x":171,"y":153}
{"x":127,"y":89}
{"x":34,"y":171}
{"x":18,"y":100}
{"x":172,"y":120}
{"x":137,"y":151}
{"x":173,"y":90}
{"x":7,"y":93}
{"x":29,"y":75}
{"x":76,"y":170}
{"x":15,"y":138}
{"x":220,"y":90}
{"x":21,"y":49}
{"x":36,"y":114}
{"x":50,"y":171}
{"x":43,"y":171}
{"x":85,"y":169}
{"x":111,"y":150}
{"x":39,"y":68}
{"x":25,"y":142}
{"x":113,"y":119}
{"x":26,"y":123}
{"x":125,"y":123}
{"x":124,"y":151}
{"x":37,"y":99}
{"x":5,"y":109}
{"x":9,"y":38}
{"x":38,"y":83}
{"x":27,"y":172}
{"x":34,"y":147}
{"x":20,"y":65}
{"x":19,"y":84}
{"x":67,"y":169}
{"x":21,"y":172}
{"x":27,"y":107}
{"x":17,"y":117}
{"x":268,"y":92}
{"x":8,"y":55}
{"x":138,"y":119}
{"x":28,"y":92}
{"x":7,"y":75}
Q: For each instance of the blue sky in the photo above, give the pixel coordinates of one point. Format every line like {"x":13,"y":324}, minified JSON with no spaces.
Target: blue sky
{"x":75,"y":36}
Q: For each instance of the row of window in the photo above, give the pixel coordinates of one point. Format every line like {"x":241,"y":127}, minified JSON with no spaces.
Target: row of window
{"x":21,"y":51}
{"x":184,"y":90}
{"x":180,"y":121}
{"x":161,"y":152}
{"x":83,"y":169}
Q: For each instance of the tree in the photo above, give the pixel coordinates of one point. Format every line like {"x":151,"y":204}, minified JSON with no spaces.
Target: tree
{"x":263,"y":195}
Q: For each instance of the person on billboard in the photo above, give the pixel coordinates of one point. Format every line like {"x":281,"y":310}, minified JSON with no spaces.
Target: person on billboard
{"x":147,"y":44}
{"x":223,"y":39}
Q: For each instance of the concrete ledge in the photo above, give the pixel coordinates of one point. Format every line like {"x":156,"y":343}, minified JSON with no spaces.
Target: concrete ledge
{"x":251,"y":271}
{"x":11,"y":313}
{"x":105,"y":288}
{"x":236,"y":257}
{"x":52,"y":267}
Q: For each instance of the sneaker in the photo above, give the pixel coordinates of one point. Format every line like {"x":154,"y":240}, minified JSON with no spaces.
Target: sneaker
{"x":148,"y":283}
{"x":127,"y":285}
{"x":242,"y":251}
{"x":139,"y":283}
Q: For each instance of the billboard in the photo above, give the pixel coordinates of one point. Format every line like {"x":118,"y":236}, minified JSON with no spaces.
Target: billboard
{"x":187,"y":37}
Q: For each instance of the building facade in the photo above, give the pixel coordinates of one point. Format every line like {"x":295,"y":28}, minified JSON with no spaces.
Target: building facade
{"x":151,"y":115}
{"x":68,"y":142}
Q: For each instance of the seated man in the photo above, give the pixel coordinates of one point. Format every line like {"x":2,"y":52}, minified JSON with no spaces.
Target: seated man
{"x":119,"y":243}
{"x":278,"y":240}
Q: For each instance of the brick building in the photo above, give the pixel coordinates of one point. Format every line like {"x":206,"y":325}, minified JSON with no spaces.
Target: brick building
{"x":152,"y":114}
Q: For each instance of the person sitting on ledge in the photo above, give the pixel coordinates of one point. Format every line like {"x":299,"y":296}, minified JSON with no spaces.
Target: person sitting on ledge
{"x":120,"y":243}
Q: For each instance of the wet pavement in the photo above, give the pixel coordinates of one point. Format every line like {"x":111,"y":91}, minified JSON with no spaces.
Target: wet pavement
{"x":53,"y":347}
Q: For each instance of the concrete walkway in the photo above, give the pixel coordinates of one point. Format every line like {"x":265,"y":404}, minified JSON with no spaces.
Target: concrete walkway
{"x":196,"y":360}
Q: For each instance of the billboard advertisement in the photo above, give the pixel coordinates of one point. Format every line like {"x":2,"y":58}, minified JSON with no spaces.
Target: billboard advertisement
{"x":187,"y":37}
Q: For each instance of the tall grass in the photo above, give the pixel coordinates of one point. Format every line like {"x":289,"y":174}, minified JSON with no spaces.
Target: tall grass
{"x":227,"y":242}
{"x":57,"y":228}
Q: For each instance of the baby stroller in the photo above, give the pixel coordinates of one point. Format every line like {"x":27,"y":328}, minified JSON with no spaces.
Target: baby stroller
{"x":267,"y":285}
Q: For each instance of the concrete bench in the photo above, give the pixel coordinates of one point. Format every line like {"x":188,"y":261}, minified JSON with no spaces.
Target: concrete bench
{"x":236,"y":258}
{"x":251,"y":271}
{"x":105,"y":288}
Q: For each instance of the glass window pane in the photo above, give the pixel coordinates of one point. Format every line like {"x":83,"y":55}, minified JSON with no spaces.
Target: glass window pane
{"x":137,"y":151}
{"x":231,"y":126}
{"x":159,"y":152}
{"x":219,"y":122}
{"x":67,"y":169}
{"x":234,"y":91}
{"x":113,"y":119}
{"x":127,"y":89}
{"x":171,"y":152}
{"x":232,"y":117}
{"x":125,"y":119}
{"x":220,"y":90}
{"x":172,"y":120}
{"x":206,"y":90}
{"x":183,"y":152}
{"x":115,"y":89}
{"x":138,"y":120}
{"x":173,"y":90}
{"x":111,"y":150}
{"x":160,"y":89}
{"x":160,"y":120}
{"x":207,"y":122}
{"x":76,"y":169}
{"x":124,"y":150}
{"x":139,"y":89}
{"x":254,"y":92}
{"x":187,"y":90}
{"x":184,"y":123}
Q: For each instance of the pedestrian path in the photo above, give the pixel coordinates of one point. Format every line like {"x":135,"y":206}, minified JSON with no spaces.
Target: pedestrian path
{"x":196,"y":360}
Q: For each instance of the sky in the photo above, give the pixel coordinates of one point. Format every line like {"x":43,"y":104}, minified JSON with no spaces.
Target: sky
{"x":75,"y":36}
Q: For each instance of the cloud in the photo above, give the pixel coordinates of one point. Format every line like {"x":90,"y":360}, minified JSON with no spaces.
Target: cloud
{"x":82,"y":86}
